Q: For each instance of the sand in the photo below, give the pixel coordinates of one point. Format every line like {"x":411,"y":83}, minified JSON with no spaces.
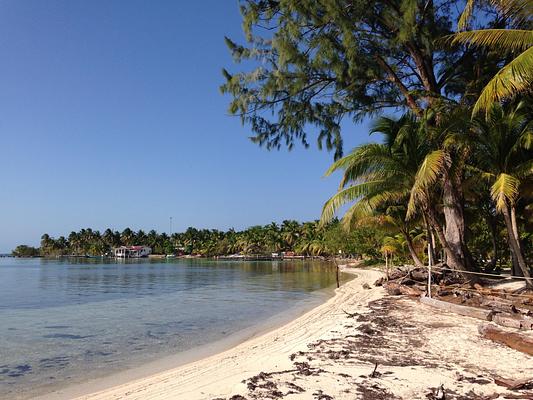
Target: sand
{"x":331,"y":351}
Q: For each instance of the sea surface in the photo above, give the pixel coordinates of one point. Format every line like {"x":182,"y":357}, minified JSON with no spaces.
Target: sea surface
{"x":66,"y":321}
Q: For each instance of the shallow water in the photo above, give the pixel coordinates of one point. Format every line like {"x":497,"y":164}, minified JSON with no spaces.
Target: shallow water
{"x":71,"y":320}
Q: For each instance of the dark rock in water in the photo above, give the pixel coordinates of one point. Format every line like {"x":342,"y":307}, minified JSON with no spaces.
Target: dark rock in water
{"x":19,"y":370}
{"x":57,"y":327}
{"x":98,"y":353}
{"x":65,"y":336}
{"x":54,"y":362}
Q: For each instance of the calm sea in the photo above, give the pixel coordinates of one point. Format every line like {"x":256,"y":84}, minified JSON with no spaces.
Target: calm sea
{"x":67,"y":321}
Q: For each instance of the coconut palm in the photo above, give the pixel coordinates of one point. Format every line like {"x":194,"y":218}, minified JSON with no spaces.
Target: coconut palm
{"x":517,"y":75}
{"x":504,"y":157}
{"x":416,"y":166}
{"x":379,"y":178}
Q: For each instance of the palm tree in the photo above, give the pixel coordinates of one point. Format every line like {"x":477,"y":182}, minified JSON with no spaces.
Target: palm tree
{"x":504,"y":157}
{"x":379,"y":178}
{"x":127,"y":237}
{"x":517,"y":75}
{"x":414,"y":165}
{"x":291,"y":232}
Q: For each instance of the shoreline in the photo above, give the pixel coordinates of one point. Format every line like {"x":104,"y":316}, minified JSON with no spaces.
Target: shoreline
{"x":359,"y":344}
{"x":194,"y":355}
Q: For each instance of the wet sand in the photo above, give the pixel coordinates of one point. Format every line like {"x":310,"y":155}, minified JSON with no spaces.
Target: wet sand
{"x":359,"y":344}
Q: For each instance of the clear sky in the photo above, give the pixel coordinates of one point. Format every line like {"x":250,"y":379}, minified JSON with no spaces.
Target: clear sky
{"x":111,"y":116}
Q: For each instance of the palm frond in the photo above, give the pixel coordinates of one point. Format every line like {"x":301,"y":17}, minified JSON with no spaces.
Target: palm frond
{"x":515,"y":77}
{"x":426,"y":176}
{"x":466,"y":14}
{"x":343,"y":197}
{"x":513,"y":40}
{"x":516,"y":10}
{"x":504,"y":191}
{"x":524,"y":169}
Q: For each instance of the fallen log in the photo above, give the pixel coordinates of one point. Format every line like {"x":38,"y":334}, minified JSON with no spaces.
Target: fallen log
{"x":458,"y":309}
{"x":398,"y":274}
{"x":516,"y":321}
{"x":516,"y":341}
{"x":420,"y":287}
{"x":410,"y":291}
{"x":419,"y":275}
{"x":513,"y":384}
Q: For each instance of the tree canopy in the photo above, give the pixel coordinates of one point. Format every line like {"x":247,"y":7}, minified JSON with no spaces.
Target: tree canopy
{"x":315,"y":63}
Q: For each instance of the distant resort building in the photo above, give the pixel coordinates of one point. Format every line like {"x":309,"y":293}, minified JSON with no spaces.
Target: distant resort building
{"x":132,"y":251}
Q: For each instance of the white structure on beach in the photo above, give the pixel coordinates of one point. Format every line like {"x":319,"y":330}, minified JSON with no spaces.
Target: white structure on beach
{"x":132,"y":251}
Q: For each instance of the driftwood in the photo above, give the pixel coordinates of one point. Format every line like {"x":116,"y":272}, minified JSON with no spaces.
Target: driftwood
{"x":517,"y":341}
{"x":513,"y":384}
{"x":380,"y":281}
{"x":499,"y":305}
{"x":517,"y":321}
{"x":458,"y":309}
{"x":411,"y":291}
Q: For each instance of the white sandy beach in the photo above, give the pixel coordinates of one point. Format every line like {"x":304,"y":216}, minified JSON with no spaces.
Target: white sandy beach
{"x":330,"y":352}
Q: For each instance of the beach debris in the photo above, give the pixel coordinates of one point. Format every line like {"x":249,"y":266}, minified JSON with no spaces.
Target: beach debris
{"x":458,"y":309}
{"x":374,"y":392}
{"x":366,"y":286}
{"x":514,"y":340}
{"x":305,"y":369}
{"x":294,"y":388}
{"x":514,"y":384}
{"x":350,"y":315}
{"x":320,"y":395}
{"x":438,"y":393}
{"x":375,"y":373}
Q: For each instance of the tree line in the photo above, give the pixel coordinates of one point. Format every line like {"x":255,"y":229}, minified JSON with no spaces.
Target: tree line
{"x":450,"y":93}
{"x":308,"y":238}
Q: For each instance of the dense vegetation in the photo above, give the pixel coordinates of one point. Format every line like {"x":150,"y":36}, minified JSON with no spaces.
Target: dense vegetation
{"x":309,"y":238}
{"x":26,"y":251}
{"x":455,"y":163}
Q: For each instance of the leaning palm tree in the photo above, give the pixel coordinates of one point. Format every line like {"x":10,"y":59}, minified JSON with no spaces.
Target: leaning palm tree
{"x":517,"y":75}
{"x":412,"y":166}
{"x":504,"y":157}
{"x":378,"y":178}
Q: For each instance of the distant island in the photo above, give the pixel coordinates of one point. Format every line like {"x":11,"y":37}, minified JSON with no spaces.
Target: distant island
{"x":306,"y":239}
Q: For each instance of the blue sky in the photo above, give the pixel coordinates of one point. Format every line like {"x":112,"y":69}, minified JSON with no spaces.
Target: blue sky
{"x":111,"y":116}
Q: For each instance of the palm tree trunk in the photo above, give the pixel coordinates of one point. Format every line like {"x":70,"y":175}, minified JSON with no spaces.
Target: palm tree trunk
{"x":455,"y":227}
{"x":515,"y":246}
{"x":491,"y":223}
{"x":452,"y":260}
{"x":515,"y":226}
{"x":412,"y":252}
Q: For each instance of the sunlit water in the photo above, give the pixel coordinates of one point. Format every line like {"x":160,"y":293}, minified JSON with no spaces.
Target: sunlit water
{"x":67,"y":321}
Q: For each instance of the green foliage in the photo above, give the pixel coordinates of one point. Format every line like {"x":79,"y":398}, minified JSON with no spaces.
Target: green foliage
{"x":26,"y":251}
{"x":517,"y":76}
{"x":308,"y":238}
{"x":314,"y":63}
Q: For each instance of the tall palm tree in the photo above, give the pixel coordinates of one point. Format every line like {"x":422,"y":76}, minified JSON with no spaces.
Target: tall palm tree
{"x":504,"y":157}
{"x":517,"y":75}
{"x":379,"y":178}
{"x":414,"y":167}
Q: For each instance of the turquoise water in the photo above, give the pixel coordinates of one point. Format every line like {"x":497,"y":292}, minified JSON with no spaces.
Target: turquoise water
{"x":68,"y":321}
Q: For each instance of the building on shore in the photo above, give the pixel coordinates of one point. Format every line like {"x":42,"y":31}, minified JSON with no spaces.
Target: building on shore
{"x":132,"y":251}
